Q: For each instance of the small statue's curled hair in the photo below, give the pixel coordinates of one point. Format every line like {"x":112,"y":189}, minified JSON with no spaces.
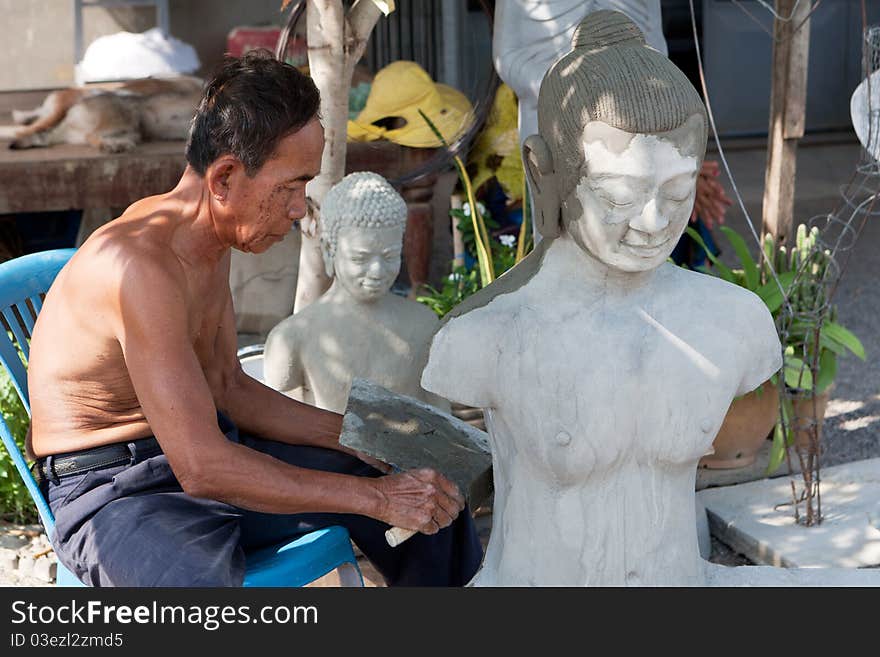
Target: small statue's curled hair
{"x":362,"y":199}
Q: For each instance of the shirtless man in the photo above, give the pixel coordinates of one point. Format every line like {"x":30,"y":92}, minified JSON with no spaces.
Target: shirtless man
{"x":160,"y":458}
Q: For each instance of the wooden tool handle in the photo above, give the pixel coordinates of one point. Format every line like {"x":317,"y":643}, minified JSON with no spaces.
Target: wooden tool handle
{"x":397,"y":535}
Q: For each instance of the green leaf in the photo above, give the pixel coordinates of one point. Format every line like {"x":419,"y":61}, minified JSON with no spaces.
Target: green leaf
{"x":777,"y":450}
{"x":723,"y":270}
{"x":827,"y":370}
{"x":770,"y":293}
{"x":456,"y":288}
{"x":839,"y":334}
{"x":797,"y":374}
{"x":15,"y":501}
{"x":783,"y":437}
{"x":487,"y":274}
{"x":769,"y":247}
{"x":750,"y":267}
{"x":826,"y":343}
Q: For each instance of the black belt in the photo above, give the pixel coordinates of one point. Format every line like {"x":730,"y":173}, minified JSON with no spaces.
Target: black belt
{"x":105,"y":456}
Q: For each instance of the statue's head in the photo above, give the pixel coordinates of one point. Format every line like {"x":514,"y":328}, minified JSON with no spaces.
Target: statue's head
{"x":362,"y":223}
{"x":622,"y":136}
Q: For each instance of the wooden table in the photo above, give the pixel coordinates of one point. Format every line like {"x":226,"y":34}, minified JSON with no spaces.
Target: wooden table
{"x":68,"y":177}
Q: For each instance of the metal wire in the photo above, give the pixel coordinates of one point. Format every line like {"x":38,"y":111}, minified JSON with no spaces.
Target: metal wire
{"x":773,"y":11}
{"x":776,"y":16}
{"x":837,"y":234}
{"x":870,"y":65}
{"x":817,"y":262}
{"x":768,"y":264}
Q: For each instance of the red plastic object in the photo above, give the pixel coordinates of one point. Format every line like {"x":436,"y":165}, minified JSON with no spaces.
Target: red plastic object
{"x":242,"y":39}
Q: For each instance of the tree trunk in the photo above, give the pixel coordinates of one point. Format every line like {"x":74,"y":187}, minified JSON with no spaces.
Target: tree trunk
{"x":787,"y":115}
{"x":336,"y":43}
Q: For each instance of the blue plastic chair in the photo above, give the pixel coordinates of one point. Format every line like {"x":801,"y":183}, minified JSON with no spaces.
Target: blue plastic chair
{"x":23,"y":282}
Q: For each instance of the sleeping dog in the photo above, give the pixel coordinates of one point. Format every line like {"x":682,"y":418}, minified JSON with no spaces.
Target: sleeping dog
{"x":114,"y":120}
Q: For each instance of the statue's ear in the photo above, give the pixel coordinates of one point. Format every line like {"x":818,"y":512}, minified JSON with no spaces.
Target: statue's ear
{"x":544,"y":184}
{"x":693,"y":141}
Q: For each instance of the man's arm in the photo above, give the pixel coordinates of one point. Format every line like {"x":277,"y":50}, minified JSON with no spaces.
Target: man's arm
{"x":262,"y":410}
{"x":151,"y":324}
{"x":259,"y":409}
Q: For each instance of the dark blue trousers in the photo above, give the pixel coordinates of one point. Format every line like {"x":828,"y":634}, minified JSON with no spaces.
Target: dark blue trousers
{"x":132,"y":525}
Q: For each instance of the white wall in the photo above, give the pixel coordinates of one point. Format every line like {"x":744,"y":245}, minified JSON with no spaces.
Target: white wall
{"x":36,"y":48}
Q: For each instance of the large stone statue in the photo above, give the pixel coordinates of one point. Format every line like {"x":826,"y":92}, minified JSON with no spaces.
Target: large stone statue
{"x":529,"y":35}
{"x":358,"y":327}
{"x":604,"y":371}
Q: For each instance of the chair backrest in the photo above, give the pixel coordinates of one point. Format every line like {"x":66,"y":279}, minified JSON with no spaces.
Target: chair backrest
{"x":22,"y":282}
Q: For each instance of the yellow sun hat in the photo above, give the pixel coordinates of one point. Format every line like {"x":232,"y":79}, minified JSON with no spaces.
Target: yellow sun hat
{"x":400,"y":90}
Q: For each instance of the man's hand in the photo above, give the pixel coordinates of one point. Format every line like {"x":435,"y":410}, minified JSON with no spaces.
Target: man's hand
{"x":381,"y":466}
{"x":711,"y":202}
{"x":423,"y":500}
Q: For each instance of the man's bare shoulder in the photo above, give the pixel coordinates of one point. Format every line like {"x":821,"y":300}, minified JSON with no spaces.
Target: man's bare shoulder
{"x":125,"y":255}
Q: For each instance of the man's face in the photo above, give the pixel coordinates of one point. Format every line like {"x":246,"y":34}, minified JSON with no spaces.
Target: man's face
{"x":267,"y":204}
{"x":367,"y":260}
{"x":636,"y":196}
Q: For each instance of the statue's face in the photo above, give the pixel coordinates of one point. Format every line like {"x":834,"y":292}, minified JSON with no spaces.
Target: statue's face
{"x":635,"y":197}
{"x":368,"y":260}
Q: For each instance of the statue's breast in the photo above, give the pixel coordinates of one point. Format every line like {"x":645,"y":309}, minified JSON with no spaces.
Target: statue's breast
{"x":581,"y":390}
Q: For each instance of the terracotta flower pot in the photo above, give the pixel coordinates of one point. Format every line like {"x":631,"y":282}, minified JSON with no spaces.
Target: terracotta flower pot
{"x":746,"y":426}
{"x":803,"y":417}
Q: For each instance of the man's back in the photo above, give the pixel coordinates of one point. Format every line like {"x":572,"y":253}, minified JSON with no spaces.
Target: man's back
{"x":81,"y":392}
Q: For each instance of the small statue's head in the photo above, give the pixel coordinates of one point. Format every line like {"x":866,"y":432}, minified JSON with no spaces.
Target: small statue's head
{"x":362,"y":224}
{"x":622,"y":136}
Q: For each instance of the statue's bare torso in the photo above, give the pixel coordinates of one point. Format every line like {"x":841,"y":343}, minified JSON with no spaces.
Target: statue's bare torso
{"x":602,"y":405}
{"x":318,"y":351}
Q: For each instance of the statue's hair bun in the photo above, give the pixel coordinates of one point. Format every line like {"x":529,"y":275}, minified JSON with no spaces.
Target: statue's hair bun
{"x":606,"y":28}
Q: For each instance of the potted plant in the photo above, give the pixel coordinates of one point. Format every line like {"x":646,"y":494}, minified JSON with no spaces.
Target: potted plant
{"x":752,"y":416}
{"x":494,"y":255}
{"x":811,"y":337}
{"x":812,"y":340}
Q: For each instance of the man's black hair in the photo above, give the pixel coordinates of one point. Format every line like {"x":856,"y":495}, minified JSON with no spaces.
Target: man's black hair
{"x":251,"y":104}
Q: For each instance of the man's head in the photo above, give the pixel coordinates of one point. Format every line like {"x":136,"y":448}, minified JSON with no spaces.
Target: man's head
{"x":256,"y":140}
{"x":248,"y":106}
{"x":362,"y":223}
{"x":615,"y":117}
